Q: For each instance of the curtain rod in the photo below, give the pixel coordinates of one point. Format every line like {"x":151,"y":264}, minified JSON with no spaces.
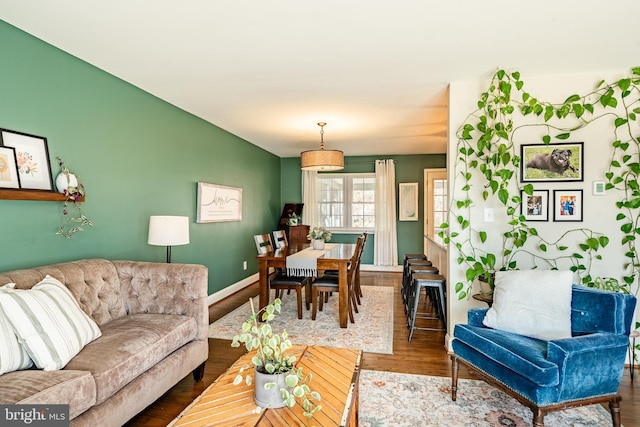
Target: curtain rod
{"x":353,"y":163}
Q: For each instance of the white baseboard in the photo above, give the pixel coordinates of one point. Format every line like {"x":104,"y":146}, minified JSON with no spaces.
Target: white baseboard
{"x":231,"y":289}
{"x":371,"y":267}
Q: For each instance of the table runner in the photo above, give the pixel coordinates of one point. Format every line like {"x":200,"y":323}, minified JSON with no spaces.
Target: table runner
{"x":305,"y":262}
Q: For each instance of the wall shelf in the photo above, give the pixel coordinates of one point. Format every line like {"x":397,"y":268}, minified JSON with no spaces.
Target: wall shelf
{"x":41,"y":195}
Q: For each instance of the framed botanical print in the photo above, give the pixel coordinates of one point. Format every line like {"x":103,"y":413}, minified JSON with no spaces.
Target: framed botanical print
{"x":8,"y":168}
{"x":32,"y":158}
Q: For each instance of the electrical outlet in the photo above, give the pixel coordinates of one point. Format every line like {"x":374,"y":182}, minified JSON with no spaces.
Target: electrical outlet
{"x":244,"y":265}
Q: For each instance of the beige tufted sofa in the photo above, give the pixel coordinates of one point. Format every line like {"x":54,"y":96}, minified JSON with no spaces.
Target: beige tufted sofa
{"x":154,"y":320}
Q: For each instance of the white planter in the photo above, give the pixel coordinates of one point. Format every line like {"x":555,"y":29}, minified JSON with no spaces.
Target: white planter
{"x":317,"y":244}
{"x":65,"y":180}
{"x":269,"y":398}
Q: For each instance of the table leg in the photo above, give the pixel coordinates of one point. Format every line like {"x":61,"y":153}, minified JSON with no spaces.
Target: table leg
{"x":263,"y":274}
{"x":343,"y":294}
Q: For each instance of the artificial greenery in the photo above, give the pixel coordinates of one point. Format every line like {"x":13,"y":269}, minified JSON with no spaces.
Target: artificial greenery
{"x":72,"y":223}
{"x":486,"y":154}
{"x":271,"y":358}
{"x":319,"y":233}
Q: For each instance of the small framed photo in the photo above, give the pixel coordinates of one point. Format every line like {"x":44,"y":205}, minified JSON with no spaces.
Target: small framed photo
{"x":551,"y":162}
{"x":9,"y":177}
{"x":32,"y":158}
{"x":567,"y":205}
{"x":535,"y":207}
{"x":598,"y":188}
{"x":408,"y":201}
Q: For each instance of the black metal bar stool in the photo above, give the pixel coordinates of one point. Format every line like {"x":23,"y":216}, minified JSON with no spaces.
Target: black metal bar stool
{"x":407,"y":280}
{"x":436,"y":283}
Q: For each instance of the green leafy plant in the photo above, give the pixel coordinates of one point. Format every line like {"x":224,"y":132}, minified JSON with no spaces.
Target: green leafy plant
{"x":271,"y":358}
{"x":73,"y":223}
{"x":319,"y":233}
{"x":486,"y":156}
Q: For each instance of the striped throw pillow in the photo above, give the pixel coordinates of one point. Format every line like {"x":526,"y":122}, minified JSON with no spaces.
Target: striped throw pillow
{"x":13,"y":356}
{"x":49,"y":323}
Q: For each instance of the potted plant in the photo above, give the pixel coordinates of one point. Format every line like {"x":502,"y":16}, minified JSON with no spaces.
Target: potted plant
{"x":68,"y":184}
{"x":318,"y":236}
{"x":278,"y":382}
{"x":294,"y":219}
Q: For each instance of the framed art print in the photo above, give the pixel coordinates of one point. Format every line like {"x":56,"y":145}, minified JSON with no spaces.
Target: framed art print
{"x":218,"y":203}
{"x":567,"y":205}
{"x":535,"y":207}
{"x":552,"y":162}
{"x":32,"y":158}
{"x":9,"y":177}
{"x":408,"y":201}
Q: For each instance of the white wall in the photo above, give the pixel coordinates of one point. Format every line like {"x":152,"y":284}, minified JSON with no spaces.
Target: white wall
{"x":599,"y":211}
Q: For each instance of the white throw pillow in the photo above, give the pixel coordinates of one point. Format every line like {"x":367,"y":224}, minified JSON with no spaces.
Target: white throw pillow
{"x":48,"y":322}
{"x":13,"y":356}
{"x":534,"y":303}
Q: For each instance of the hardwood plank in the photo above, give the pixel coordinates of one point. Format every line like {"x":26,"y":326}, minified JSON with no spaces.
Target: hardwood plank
{"x":425,"y":354}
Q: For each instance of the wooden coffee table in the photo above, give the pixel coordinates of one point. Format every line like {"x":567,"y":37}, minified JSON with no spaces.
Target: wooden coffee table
{"x":335,"y":374}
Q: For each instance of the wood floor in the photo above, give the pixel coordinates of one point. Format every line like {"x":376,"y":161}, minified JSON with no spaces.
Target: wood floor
{"x":425,"y":354}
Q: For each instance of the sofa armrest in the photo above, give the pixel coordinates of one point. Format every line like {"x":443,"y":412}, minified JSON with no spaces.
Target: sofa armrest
{"x":475,"y":316}
{"x":588,"y":364}
{"x":163,"y":288}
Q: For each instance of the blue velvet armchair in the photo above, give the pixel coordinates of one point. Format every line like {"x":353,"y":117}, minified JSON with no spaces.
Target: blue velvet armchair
{"x":552,"y":375}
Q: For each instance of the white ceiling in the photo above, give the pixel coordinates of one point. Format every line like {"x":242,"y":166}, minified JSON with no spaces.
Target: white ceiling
{"x":375,"y":70}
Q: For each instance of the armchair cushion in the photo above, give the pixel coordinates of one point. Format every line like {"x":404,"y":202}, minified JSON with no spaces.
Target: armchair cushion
{"x":534,"y":303}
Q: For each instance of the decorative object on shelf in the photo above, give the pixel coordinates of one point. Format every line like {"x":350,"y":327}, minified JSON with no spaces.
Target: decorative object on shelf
{"x":74,"y":193}
{"x":271,"y":359}
{"x":318,"y":236}
{"x":218,"y":203}
{"x":322,"y":160}
{"x":168,"y":231}
{"x":408,"y":201}
{"x":294,"y":219}
{"x":32,"y":157}
{"x":9,"y":177}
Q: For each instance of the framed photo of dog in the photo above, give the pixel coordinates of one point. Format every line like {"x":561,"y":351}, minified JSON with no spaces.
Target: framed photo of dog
{"x":552,"y":162}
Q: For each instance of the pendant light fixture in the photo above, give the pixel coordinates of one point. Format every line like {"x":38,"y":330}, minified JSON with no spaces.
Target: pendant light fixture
{"x":322,"y":160}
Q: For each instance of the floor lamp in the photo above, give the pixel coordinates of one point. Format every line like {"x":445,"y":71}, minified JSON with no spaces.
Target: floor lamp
{"x":168,"y":231}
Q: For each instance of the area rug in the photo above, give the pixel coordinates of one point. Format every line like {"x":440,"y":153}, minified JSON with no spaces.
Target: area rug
{"x":392,"y":399}
{"x":372,"y":331}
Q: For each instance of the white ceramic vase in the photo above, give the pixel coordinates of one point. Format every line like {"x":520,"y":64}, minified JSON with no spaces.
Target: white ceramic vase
{"x":317,"y":244}
{"x":270,"y":398}
{"x":65,"y":180}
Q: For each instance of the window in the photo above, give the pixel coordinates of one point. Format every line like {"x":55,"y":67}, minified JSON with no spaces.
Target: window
{"x":346,"y":202}
{"x":438,"y":203}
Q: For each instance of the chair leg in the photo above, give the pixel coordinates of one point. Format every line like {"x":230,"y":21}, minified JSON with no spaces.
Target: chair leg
{"x":454,"y":378}
{"x":414,"y":308}
{"x":614,"y":407}
{"x":314,"y":305}
{"x":299,"y":301}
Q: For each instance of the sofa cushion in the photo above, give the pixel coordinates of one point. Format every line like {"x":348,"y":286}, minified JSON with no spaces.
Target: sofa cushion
{"x":535,"y":303}
{"x":75,"y":388}
{"x":13,"y":356}
{"x":130,"y":346}
{"x":48,"y":322}
{"x":523,"y":355}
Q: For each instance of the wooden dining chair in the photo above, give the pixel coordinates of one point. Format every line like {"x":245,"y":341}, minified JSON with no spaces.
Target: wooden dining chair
{"x":280,"y":238}
{"x":329,"y":283}
{"x":280,"y":281}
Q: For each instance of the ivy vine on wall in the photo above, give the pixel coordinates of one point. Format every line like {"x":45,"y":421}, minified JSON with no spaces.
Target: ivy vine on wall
{"x":486,"y":156}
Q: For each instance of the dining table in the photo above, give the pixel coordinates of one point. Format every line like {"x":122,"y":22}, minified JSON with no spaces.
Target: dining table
{"x":335,"y":258}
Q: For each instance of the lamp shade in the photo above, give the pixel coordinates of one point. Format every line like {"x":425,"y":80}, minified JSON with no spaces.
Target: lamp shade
{"x":168,"y":230}
{"x":322,"y":160}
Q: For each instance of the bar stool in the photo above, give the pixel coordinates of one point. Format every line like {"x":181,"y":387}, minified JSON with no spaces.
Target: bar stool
{"x":407,"y":280}
{"x":433,"y":282}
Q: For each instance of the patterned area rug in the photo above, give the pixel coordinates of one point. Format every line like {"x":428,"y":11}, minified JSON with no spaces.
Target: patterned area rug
{"x":372,"y":331}
{"x":392,"y":399}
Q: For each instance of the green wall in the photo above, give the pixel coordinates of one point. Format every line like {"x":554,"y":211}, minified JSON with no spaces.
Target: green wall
{"x":137,"y":156}
{"x":409,"y":168}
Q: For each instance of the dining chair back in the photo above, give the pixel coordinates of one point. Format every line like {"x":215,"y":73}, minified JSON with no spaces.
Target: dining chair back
{"x":280,"y":239}
{"x":264,"y":244}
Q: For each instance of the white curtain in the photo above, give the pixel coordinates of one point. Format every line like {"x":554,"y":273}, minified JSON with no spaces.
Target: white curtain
{"x":309,"y":198}
{"x":386,"y":238}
